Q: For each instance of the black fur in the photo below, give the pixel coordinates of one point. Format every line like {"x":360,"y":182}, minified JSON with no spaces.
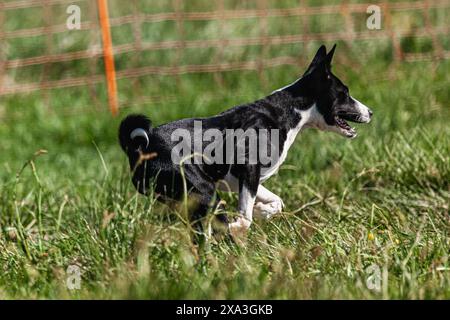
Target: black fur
{"x":279,"y":110}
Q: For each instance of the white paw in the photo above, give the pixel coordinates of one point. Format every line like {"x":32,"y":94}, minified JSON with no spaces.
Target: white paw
{"x":239,"y":227}
{"x":268,"y":210}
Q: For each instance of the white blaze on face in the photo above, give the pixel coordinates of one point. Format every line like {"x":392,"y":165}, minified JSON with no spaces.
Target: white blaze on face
{"x":363,"y":111}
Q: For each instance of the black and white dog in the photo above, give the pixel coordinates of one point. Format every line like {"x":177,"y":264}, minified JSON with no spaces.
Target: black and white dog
{"x":318,"y":99}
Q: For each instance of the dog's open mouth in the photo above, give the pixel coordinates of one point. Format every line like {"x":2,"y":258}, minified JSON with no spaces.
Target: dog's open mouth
{"x":341,"y":121}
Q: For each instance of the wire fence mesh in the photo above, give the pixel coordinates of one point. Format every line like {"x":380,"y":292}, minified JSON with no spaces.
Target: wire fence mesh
{"x":38,"y":52}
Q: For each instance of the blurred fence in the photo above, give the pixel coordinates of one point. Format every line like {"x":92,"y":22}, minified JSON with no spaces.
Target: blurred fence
{"x":178,"y":12}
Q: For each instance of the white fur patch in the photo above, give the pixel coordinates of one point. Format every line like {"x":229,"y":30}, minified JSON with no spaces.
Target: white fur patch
{"x":267,"y":203}
{"x":363,"y":110}
{"x":139,"y":132}
{"x":246,"y":202}
{"x":267,"y":210}
{"x":238,"y":229}
{"x":306,"y":117}
{"x":242,"y":224}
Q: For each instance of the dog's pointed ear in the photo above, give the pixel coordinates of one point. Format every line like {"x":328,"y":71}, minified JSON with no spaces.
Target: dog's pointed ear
{"x":330,"y":55}
{"x":321,"y":54}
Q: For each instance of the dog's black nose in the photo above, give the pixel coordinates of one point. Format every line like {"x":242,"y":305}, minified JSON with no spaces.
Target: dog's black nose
{"x":370,"y":113}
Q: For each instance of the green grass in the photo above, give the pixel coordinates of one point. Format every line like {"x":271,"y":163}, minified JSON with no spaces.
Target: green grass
{"x":379,"y":200}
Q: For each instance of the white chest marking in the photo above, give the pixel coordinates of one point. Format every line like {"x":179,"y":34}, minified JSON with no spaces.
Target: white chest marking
{"x":230,"y":182}
{"x":290,"y":138}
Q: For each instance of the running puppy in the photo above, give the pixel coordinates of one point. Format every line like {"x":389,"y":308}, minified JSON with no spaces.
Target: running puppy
{"x":318,"y":99}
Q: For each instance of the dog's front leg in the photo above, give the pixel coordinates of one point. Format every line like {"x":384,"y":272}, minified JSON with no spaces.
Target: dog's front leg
{"x":248,"y":187}
{"x":246,"y":201}
{"x":267,"y":203}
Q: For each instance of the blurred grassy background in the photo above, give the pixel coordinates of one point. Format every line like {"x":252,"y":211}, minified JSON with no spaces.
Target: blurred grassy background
{"x":382,"y":198}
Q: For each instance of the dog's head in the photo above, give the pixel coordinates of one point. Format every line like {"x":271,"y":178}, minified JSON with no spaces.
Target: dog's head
{"x":332,"y":102}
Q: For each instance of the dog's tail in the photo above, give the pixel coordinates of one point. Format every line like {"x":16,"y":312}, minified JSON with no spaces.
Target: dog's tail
{"x":134,"y":132}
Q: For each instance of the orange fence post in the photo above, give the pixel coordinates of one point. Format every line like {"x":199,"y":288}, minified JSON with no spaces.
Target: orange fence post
{"x":108,"y":56}
{"x":219,"y":63}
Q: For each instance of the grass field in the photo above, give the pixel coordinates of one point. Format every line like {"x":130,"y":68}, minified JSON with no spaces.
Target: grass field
{"x":380,"y":201}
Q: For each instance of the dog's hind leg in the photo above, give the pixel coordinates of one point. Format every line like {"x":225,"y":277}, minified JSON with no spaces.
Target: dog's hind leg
{"x":267,"y":203}
{"x":204,"y":203}
{"x":207,"y":212}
